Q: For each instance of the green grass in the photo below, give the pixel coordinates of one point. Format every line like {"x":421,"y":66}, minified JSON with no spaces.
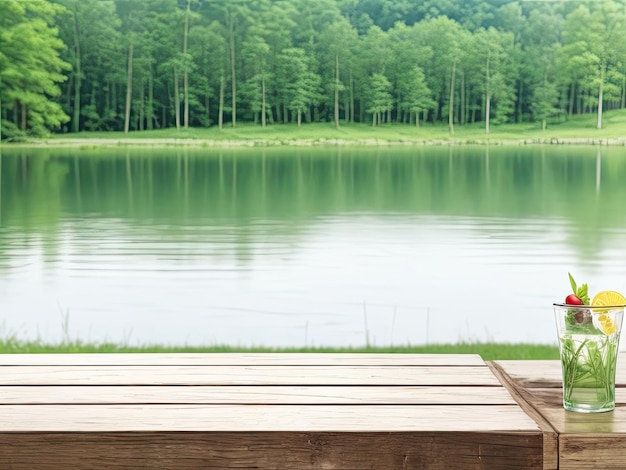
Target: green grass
{"x":575,"y":127}
{"x":488,"y":351}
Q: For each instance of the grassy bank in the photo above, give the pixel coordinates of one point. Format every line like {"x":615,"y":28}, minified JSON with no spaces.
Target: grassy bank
{"x":576,"y":130}
{"x":488,"y":351}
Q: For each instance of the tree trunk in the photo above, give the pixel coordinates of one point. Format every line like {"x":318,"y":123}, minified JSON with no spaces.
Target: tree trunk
{"x":451,"y":100}
{"x":263,"y":108}
{"x":543,"y":124}
{"x":150,"y":108}
{"x":336,"y":90}
{"x":487,"y":112}
{"x":417,"y":118}
{"x":351,"y":97}
{"x":185,"y":71}
{"x":233,"y":75}
{"x":600,"y":97}
{"x":24,"y":113}
{"x":518,"y":118}
{"x":207,"y":109}
{"x":77,"y":78}
{"x":299,"y":117}
{"x":129,"y":86}
{"x":142,"y":113}
{"x":1,"y":122}
{"x":463,"y":104}
{"x":220,"y":118}
{"x":487,"y":98}
{"x":572,"y":97}
{"x":176,"y":99}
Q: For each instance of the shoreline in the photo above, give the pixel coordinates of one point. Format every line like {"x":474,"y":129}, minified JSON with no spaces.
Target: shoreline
{"x":317,"y":142}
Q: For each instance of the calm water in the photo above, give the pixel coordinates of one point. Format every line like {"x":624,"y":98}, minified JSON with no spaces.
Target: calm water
{"x":289,"y":247}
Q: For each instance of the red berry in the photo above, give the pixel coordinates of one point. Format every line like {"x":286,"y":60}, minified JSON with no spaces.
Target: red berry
{"x":573,"y":300}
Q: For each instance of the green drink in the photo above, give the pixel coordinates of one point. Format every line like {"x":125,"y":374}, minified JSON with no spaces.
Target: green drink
{"x":588,"y":345}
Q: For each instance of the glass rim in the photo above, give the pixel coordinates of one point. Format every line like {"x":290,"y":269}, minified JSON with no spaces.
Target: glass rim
{"x":590,"y":307}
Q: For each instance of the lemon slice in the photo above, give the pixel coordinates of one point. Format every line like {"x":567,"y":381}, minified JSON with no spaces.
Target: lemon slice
{"x":605,"y":323}
{"x":604,"y":320}
{"x":608,"y":297}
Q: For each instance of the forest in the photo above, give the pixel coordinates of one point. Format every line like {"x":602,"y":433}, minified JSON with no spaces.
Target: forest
{"x":131,"y":65}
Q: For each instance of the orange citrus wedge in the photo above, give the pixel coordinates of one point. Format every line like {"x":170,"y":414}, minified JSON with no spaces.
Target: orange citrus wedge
{"x":604,"y":321}
{"x":608,"y":297}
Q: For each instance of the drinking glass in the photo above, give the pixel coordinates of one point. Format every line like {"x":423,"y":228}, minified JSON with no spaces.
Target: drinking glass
{"x":588,"y":346}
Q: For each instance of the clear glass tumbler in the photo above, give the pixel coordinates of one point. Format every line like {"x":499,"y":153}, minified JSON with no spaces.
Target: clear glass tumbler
{"x":588,"y":345}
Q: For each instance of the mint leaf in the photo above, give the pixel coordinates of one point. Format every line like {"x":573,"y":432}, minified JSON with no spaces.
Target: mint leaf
{"x":582,"y":292}
{"x":573,"y":284}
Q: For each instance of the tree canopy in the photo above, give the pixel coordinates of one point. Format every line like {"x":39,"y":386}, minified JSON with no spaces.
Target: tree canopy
{"x":74,"y":65}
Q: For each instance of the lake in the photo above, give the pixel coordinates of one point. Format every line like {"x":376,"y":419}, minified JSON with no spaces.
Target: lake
{"x":305,"y":246}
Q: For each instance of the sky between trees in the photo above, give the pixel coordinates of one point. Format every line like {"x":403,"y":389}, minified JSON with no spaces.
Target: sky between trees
{"x":74,"y":65}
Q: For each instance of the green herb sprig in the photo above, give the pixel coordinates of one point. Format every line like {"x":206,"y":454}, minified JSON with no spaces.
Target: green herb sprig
{"x":581,"y":292}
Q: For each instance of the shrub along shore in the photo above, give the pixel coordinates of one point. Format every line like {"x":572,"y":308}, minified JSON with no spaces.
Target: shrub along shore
{"x":488,"y":351}
{"x":577,"y":130}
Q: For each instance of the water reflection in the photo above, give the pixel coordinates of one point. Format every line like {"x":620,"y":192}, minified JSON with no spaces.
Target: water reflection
{"x":305,"y":246}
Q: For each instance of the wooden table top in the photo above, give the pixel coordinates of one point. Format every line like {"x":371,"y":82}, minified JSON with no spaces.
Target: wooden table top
{"x":300,"y":411}
{"x":583,"y":440}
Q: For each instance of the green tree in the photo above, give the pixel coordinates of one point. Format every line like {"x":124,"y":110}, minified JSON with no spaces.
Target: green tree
{"x":257,"y":52}
{"x":90,"y":30}
{"x":380,"y":99}
{"x":593,"y":39}
{"x":407,"y":53}
{"x":418,"y":97}
{"x":444,"y":36}
{"x":208,"y":48}
{"x":490,"y":49}
{"x":303,"y":85}
{"x":336,"y":44}
{"x":30,"y":66}
{"x":541,"y":48}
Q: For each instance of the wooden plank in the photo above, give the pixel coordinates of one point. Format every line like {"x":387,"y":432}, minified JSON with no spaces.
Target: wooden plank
{"x":547,"y":373}
{"x":578,"y":452}
{"x":254,"y":394}
{"x":243,"y":359}
{"x":254,"y":418}
{"x":584,"y":440}
{"x":272,"y":451}
{"x":554,"y":396}
{"x":550,"y":435}
{"x":246,"y":375}
{"x":591,"y":424}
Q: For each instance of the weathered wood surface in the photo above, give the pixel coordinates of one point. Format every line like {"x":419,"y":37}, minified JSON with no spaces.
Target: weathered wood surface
{"x":271,"y":450}
{"x":550,"y":436}
{"x":248,"y":375}
{"x":242,"y":359}
{"x":546,"y":374}
{"x":584,"y":440}
{"x":271,"y":395}
{"x":256,"y":418}
{"x":268,"y":411}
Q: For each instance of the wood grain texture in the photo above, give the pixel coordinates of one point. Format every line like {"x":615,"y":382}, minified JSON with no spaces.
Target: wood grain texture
{"x":585,"y":441}
{"x":569,"y":422}
{"x":264,"y":411}
{"x":521,"y":396}
{"x":275,"y":451}
{"x":546,"y":374}
{"x":247,"y":375}
{"x":242,"y":359}
{"x":578,"y":452}
{"x":363,"y":395}
{"x":246,"y":418}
